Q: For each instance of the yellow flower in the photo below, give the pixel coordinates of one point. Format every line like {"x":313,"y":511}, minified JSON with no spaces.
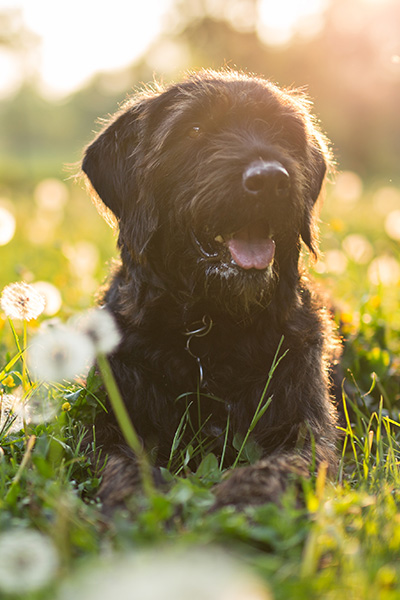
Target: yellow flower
{"x":9,"y":381}
{"x":66,"y":407}
{"x":375,"y":301}
{"x":337,"y":225}
{"x":346,"y":317}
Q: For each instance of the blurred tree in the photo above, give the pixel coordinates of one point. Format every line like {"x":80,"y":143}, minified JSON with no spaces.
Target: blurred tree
{"x":349,"y":63}
{"x":350,"y":66}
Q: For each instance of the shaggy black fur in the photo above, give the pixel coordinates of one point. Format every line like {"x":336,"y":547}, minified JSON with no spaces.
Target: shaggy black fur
{"x":213,"y":184}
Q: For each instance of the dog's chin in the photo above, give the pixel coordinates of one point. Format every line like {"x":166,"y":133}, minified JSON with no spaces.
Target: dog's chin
{"x":236,"y":288}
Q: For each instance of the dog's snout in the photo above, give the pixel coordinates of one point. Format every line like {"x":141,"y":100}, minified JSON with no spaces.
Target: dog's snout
{"x":266,"y":177}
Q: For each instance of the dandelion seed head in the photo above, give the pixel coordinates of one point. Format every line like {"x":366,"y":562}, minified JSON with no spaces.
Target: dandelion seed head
{"x":22,"y":301}
{"x":10,"y":413}
{"x":38,"y":406}
{"x":28,"y":561}
{"x":60,"y":353}
{"x":197,"y":574}
{"x":99,"y":325}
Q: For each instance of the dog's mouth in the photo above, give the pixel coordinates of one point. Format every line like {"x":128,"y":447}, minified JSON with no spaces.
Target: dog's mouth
{"x":250,"y":247}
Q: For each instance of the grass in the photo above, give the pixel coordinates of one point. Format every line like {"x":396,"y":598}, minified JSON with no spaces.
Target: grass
{"x":344,"y":541}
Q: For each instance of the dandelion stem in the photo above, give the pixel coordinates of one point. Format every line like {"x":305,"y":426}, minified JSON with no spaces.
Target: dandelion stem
{"x":125,"y":423}
{"x":24,"y":462}
{"x":24,"y":382}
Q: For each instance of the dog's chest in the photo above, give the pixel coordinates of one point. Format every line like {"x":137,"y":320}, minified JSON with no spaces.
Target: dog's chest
{"x":230,"y":364}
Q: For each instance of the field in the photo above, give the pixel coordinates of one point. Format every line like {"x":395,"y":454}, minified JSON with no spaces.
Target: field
{"x":54,"y":542}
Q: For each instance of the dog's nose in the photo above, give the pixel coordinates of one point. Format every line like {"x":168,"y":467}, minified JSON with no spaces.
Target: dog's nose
{"x":266,"y":177}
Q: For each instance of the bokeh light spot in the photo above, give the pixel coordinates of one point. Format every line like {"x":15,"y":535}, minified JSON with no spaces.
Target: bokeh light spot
{"x":7,"y":226}
{"x":52,"y":297}
{"x":386,"y":199}
{"x":335,"y":261}
{"x":392,"y":225}
{"x":348,"y":188}
{"x":51,"y":194}
{"x":384,"y":270}
{"x":358,"y":248}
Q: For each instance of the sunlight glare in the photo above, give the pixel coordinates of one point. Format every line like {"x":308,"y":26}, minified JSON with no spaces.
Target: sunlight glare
{"x":81,"y":38}
{"x":279,"y":20}
{"x":10,"y":73}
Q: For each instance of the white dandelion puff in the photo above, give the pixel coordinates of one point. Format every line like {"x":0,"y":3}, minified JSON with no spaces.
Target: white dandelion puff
{"x":22,"y":301}
{"x":38,"y":407}
{"x":28,"y":561}
{"x":60,"y":353}
{"x":196,"y":574}
{"x":10,"y":411}
{"x":99,"y":325}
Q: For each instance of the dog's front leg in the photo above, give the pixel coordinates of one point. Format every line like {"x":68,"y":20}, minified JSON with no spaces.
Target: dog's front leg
{"x":267,"y":480}
{"x":122,"y":481}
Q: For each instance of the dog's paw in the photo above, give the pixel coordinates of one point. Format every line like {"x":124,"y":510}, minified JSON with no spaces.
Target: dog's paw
{"x":263,"y":482}
{"x":122,"y":483}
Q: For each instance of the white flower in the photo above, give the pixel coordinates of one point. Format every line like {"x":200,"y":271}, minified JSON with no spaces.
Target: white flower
{"x":28,"y":561}
{"x":22,"y":301}
{"x":196,"y":574}
{"x":99,"y":325}
{"x":60,"y":353}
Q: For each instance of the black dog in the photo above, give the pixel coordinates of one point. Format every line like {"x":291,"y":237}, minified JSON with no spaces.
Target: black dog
{"x":213,"y":183}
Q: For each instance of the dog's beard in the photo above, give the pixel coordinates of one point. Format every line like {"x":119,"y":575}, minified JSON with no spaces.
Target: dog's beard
{"x":238,"y":273}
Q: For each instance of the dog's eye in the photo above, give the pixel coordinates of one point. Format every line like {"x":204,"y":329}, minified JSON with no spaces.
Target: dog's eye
{"x":195,"y":131}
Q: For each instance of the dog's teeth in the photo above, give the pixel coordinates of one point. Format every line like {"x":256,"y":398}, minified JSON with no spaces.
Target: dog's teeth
{"x":219,"y":239}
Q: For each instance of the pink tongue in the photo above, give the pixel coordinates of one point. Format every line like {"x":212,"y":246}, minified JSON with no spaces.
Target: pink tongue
{"x":250,"y":250}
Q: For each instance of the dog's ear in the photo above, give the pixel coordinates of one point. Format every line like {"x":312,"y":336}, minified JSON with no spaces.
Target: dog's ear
{"x":318,"y":169}
{"x":111,"y":166}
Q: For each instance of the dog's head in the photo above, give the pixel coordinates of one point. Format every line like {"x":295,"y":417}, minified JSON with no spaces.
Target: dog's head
{"x":213,"y":183}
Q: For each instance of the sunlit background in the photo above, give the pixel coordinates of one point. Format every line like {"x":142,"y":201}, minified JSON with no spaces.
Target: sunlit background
{"x":63,"y":65}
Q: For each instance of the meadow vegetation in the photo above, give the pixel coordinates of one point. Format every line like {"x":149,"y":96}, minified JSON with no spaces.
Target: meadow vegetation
{"x":345,"y":539}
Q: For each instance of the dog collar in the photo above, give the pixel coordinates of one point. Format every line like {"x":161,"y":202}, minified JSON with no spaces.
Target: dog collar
{"x":198,"y":329}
